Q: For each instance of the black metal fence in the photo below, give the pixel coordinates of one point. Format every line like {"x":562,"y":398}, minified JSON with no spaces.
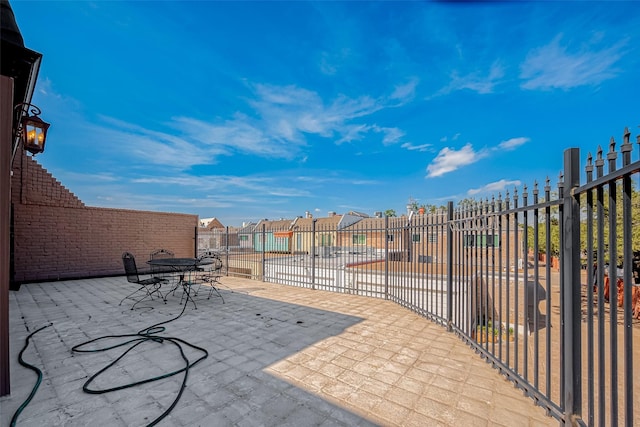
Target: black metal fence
{"x":544,"y":285}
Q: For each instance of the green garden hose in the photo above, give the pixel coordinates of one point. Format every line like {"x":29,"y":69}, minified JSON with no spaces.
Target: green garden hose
{"x":14,"y":419}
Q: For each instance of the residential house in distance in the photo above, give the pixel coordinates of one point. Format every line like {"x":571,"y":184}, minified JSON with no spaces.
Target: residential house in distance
{"x":369,"y":235}
{"x":211,"y":235}
{"x":241,"y":238}
{"x":211,"y":223}
{"x":276,"y":237}
{"x":326,"y":229}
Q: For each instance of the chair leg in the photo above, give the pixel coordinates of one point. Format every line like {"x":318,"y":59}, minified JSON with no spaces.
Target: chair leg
{"x":186,"y":295}
{"x":148,"y":295}
{"x":128,"y":296}
{"x":214,"y":289}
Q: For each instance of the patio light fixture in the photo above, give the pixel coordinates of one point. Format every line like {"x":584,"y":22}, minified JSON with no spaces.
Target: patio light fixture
{"x":31,"y":129}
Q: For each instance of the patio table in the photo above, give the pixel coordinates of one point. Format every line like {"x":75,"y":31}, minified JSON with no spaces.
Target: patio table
{"x":181,"y":266}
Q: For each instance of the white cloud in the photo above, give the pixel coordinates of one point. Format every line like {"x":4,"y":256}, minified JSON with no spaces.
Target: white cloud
{"x":477,"y":82}
{"x":513,"y":143}
{"x":555,"y":66}
{"x":153,"y":147}
{"x":493,"y":187}
{"x":448,"y":160}
{"x":391,"y":135}
{"x":411,"y":147}
{"x":276,"y":125}
{"x":330,"y":63}
{"x":405,"y":92}
{"x":453,"y":138}
{"x":353,"y":133}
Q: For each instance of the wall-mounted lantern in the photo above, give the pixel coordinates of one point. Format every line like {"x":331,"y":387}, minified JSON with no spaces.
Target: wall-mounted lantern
{"x":31,"y":129}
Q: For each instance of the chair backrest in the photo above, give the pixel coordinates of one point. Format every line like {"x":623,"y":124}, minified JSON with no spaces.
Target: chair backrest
{"x":159,"y":271}
{"x":213,"y":266}
{"x":129,"y":262}
{"x":161,"y":253}
{"x":217,"y":263}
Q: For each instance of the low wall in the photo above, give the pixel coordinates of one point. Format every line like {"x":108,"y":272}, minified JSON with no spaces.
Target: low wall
{"x":54,"y":243}
{"x":55,"y":236}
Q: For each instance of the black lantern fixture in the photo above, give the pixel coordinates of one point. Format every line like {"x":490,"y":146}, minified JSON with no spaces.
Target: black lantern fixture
{"x":31,"y":129}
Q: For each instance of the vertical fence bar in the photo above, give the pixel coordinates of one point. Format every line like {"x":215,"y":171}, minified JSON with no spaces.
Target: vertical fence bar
{"x":264,"y":249}
{"x":561,"y":262}
{"x":386,"y":257}
{"x":508,"y":280}
{"x":536,"y":280}
{"x":525,"y":279}
{"x":613,"y":275}
{"x":491,"y":236}
{"x":547,"y":272}
{"x":590,"y":284}
{"x":500,"y":255}
{"x":517,"y":254}
{"x":600,"y":288}
{"x":226,"y":251}
{"x":627,"y":282}
{"x":571,"y":308}
{"x":449,"y":225}
{"x":313,"y":253}
{"x":195,"y":241}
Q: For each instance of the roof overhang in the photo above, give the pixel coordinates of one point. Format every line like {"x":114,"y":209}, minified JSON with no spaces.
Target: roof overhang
{"x":18,"y":62}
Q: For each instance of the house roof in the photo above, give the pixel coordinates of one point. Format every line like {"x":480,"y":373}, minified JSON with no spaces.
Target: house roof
{"x":274,"y":225}
{"x":366,"y":223}
{"x":306,"y":224}
{"x":246,"y":228}
{"x":211,"y":223}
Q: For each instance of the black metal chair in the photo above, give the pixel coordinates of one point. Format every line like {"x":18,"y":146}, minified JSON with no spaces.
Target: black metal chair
{"x":167,"y":274}
{"x":147,"y":287}
{"x":208,"y":274}
{"x":159,"y":271}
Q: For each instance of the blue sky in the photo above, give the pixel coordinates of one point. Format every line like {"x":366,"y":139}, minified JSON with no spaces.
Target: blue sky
{"x":250,"y":110}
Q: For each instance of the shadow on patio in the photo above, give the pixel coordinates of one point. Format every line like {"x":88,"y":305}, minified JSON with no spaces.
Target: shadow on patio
{"x":277,"y":356}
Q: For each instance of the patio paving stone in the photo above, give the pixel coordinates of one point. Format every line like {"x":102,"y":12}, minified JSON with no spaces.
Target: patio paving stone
{"x":278,"y":356}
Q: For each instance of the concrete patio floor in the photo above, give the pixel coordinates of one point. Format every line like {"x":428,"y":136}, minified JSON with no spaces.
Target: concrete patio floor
{"x":277,"y":356}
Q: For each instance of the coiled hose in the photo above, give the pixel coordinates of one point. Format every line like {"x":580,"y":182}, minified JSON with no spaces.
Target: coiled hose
{"x":144,"y":335}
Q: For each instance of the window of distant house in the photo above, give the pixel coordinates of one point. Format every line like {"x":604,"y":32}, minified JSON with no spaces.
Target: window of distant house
{"x":389,"y":237}
{"x":433,"y":237}
{"x":243,"y":238}
{"x":359,"y":239}
{"x":492,"y":240}
{"x":415,"y":238}
{"x":482,"y":240}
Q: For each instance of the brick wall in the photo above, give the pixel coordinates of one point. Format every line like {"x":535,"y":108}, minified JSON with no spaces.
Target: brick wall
{"x":57,"y":237}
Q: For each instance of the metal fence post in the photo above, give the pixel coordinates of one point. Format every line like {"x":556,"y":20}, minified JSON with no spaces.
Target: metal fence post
{"x":386,"y":257}
{"x":264,"y":249}
{"x":195,"y":241}
{"x":571,"y":274}
{"x":313,"y":253}
{"x":449,"y":266}
{"x":226,"y":249}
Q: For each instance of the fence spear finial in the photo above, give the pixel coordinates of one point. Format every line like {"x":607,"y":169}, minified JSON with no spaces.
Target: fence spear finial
{"x":626,"y":135}
{"x":626,"y":147}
